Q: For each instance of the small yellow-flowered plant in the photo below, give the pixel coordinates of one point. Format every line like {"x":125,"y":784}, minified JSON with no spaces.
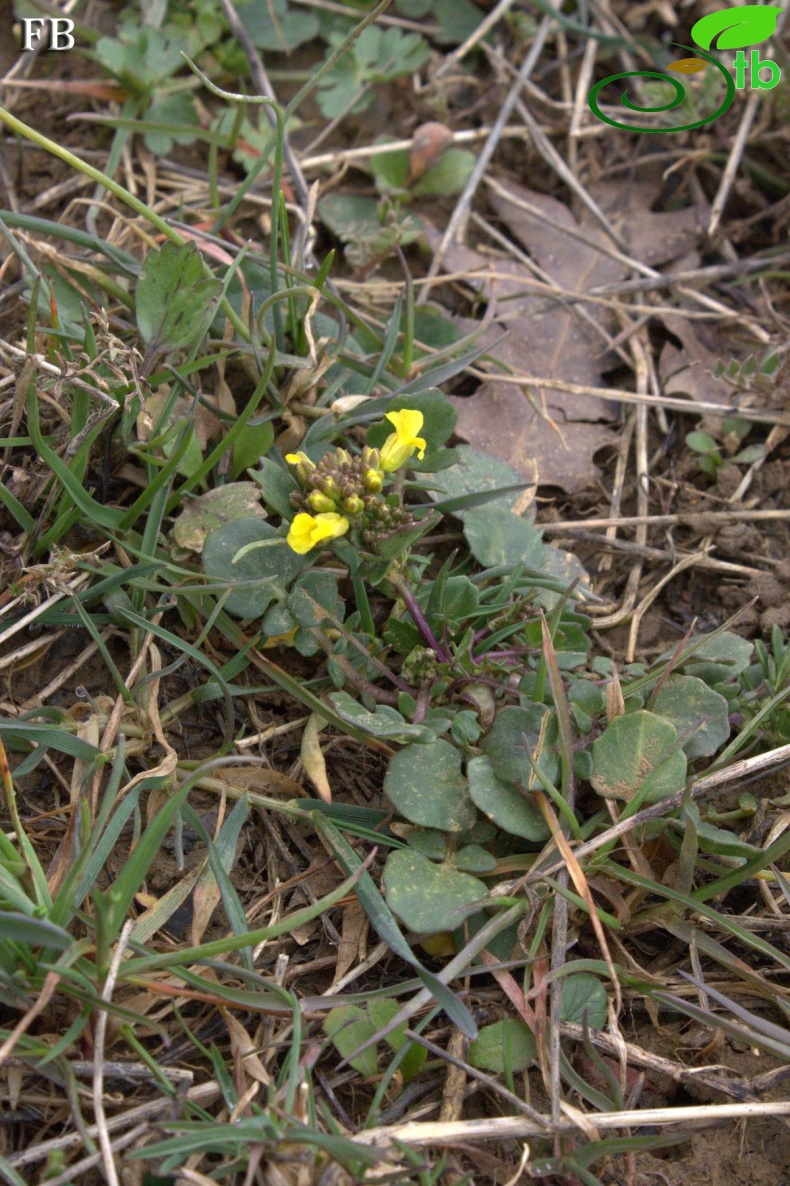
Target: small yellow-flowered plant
{"x":342,"y":490}
{"x":309,"y":530}
{"x":398,"y":448}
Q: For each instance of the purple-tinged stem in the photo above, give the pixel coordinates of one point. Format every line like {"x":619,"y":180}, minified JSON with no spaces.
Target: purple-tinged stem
{"x":420,"y":621}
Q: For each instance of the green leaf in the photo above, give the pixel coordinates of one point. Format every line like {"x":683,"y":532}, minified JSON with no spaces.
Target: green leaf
{"x":722,"y":657}
{"x":429,"y":842}
{"x":702,"y":442}
{"x":634,"y":749}
{"x":380,"y":915}
{"x":385,"y":723}
{"x":349,"y":1026}
{"x":686,"y":701}
{"x":276,"y":26}
{"x":176,"y":111}
{"x":202,"y":515}
{"x":253,"y":444}
{"x":504,"y":745}
{"x":390,"y":169}
{"x":33,"y":932}
{"x":477,"y":473}
{"x":271,"y":568}
{"x":425,"y":784}
{"x":356,"y":220}
{"x":583,"y":994}
{"x":313,"y":597}
{"x":472,"y":858}
{"x":496,"y":536}
{"x":277,"y":485}
{"x":175,"y":301}
{"x":507,"y":1045}
{"x":448,"y":176}
{"x":427,"y":897}
{"x":140,"y":58}
{"x":745,"y":24}
{"x":506,"y":806}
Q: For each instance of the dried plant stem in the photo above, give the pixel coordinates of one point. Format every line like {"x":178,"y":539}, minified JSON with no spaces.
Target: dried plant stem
{"x":503,"y":1128}
{"x":690,"y":407}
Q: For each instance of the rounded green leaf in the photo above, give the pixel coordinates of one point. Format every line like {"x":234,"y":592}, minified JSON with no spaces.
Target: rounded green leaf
{"x":496,"y":536}
{"x":207,"y":512}
{"x":265,"y":569}
{"x":425,"y":784}
{"x":505,"y":744}
{"x":583,"y":994}
{"x":506,"y":806}
{"x":348,"y":1027}
{"x":429,"y":842}
{"x":472,"y":858}
{"x":719,"y":658}
{"x":477,"y":473}
{"x":697,"y":712}
{"x":313,"y":597}
{"x":507,"y":1045}
{"x":634,"y":750}
{"x":426,"y":897}
{"x":449,"y":175}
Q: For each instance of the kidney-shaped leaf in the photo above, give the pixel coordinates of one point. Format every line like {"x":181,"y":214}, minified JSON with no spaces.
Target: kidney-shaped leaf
{"x":428,"y":897}
{"x":697,"y":712}
{"x":425,"y":784}
{"x":634,"y":749}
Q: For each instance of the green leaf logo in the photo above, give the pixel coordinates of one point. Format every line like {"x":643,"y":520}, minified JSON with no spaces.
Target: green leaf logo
{"x":736,"y":27}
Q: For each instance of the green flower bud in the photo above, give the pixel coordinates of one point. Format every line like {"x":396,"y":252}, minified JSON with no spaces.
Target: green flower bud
{"x":373,"y":481}
{"x":321,"y":502}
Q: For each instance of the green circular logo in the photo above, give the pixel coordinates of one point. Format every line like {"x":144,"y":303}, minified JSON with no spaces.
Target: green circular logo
{"x":680,"y":95}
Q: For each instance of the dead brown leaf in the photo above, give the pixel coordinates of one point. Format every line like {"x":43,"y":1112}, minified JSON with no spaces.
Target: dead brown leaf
{"x":558,"y":431}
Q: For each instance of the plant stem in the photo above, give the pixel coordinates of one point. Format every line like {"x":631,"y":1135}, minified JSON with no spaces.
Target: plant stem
{"x":420,"y":621}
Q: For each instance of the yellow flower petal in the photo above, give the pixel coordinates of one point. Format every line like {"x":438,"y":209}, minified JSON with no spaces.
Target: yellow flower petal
{"x":308,"y":530}
{"x":398,"y":448}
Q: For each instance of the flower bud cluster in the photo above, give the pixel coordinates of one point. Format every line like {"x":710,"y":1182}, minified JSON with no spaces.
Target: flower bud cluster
{"x":339,"y":483}
{"x":342,"y":489}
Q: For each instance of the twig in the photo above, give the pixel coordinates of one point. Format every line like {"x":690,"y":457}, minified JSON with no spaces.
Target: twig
{"x":690,"y":406}
{"x":470,"y":189}
{"x":203,"y":1094}
{"x":733,"y":161}
{"x":100,"y":1032}
{"x":504,"y":1128}
{"x":701,"y":519}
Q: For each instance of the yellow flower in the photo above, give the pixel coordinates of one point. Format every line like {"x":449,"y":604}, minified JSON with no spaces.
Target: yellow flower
{"x":398,"y":448}
{"x":309,"y":530}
